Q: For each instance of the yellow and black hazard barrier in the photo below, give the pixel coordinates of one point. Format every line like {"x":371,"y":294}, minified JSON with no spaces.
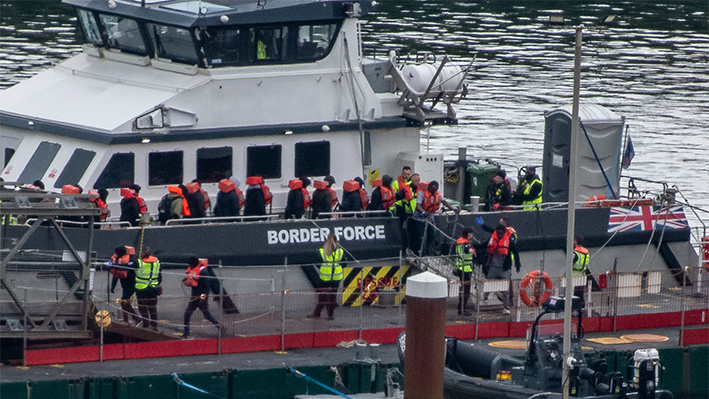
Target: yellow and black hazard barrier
{"x":362,"y":286}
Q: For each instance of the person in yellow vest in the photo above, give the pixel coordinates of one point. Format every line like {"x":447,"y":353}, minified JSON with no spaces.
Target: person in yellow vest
{"x":147,"y":288}
{"x":529,"y":190}
{"x":331,"y":274}
{"x":464,"y":260}
{"x":580,"y":267}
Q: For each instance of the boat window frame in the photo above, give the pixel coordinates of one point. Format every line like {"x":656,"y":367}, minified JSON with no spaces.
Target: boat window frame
{"x":147,"y":47}
{"x":39,"y":162}
{"x":255,"y":153}
{"x":117,"y":170}
{"x":165,"y":165}
{"x":82,"y":27}
{"x":9,"y":152}
{"x":172,"y":57}
{"x":226,"y":173}
{"x":75,"y":168}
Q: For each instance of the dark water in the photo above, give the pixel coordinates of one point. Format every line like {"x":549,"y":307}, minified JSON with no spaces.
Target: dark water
{"x":649,"y":64}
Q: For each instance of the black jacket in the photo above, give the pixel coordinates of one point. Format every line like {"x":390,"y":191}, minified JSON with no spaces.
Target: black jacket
{"x":322,"y":202}
{"x":130,"y":210}
{"x":294,"y":204}
{"x":351,"y":202}
{"x":227,"y":204}
{"x":255,"y":202}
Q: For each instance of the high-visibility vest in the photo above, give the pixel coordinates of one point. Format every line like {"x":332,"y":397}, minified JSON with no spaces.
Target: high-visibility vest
{"x":581,"y":265}
{"x":527,"y":187}
{"x":261,"y":50}
{"x":330,"y":269}
{"x":147,"y":273}
{"x":464,"y":261}
{"x":499,"y":246}
{"x":400,"y":184}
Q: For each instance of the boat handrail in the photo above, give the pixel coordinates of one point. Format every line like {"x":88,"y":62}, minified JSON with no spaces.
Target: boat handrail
{"x":220,"y":219}
{"x":75,"y":223}
{"x":350,"y":213}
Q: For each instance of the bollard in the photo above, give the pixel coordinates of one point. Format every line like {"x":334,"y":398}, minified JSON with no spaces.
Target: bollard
{"x":374,"y":352}
{"x":359,"y":355}
{"x":425,"y":336}
{"x":474,"y":203}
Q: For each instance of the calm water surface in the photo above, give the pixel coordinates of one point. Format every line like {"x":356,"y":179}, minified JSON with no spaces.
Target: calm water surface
{"x":649,"y":64}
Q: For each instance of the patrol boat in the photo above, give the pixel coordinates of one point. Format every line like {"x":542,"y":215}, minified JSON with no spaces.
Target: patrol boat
{"x":167,"y":90}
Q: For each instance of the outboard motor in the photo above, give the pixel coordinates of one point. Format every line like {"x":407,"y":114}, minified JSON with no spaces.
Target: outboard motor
{"x":645,"y":372}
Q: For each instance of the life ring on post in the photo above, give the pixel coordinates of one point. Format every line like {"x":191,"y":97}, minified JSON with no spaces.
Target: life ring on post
{"x":539,"y":296}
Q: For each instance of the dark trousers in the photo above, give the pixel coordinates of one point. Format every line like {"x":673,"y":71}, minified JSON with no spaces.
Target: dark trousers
{"x":128,"y":311}
{"x":464,"y":295}
{"x":327,"y":298}
{"x":148,"y":306}
{"x":427,"y":230}
{"x":203,"y":305}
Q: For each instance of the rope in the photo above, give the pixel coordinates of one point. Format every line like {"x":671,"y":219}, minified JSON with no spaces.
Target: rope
{"x":179,"y":382}
{"x":316,"y":382}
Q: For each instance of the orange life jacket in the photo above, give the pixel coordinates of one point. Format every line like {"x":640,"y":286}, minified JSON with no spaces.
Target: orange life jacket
{"x":143,"y":205}
{"x":306,"y":199}
{"x":363,"y":199}
{"x":431,"y":202}
{"x":499,"y":246}
{"x":185,"y":206}
{"x":388,"y":197}
{"x":207,"y":202}
{"x":242,"y":200}
{"x":191,"y":278}
{"x":266,"y":194}
{"x":123,"y":260}
{"x":333,"y":194}
{"x":69,"y":189}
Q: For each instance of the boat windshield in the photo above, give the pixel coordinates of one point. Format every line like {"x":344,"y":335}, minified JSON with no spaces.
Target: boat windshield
{"x":211,"y":46}
{"x":545,"y":331}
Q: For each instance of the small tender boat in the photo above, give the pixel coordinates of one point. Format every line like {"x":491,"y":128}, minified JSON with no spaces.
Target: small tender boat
{"x":473,"y":371}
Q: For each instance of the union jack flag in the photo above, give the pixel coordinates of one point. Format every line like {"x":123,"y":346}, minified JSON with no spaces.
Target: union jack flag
{"x":639,"y":218}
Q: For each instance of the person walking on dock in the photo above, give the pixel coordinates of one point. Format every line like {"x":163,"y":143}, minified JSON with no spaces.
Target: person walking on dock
{"x":147,"y":288}
{"x":331,"y":274}
{"x":122,"y":267}
{"x":501,"y":251}
{"x":465,"y":255}
{"x":198,"y":278}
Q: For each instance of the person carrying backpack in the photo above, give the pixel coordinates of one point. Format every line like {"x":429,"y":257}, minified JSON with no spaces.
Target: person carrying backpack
{"x":173,"y":205}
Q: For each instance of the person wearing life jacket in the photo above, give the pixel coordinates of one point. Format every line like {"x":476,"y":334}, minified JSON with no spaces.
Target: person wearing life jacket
{"x":179,"y":208}
{"x":122,"y":267}
{"x":258,"y":196}
{"x":333,"y":195}
{"x":428,"y":201}
{"x":465,"y":253}
{"x":205,"y":197}
{"x":228,"y":199}
{"x":148,"y":277}
{"x":331,"y":273}
{"x":199,"y":278}
{"x":130,"y":207}
{"x":195,"y":200}
{"x":405,"y":206}
{"x":322,"y":199}
{"x":298,"y":201}
{"x":498,"y":193}
{"x":501,"y":250}
{"x":529,"y":190}
{"x":354,"y":198}
{"x":382,"y":195}
{"x":141,"y":202}
{"x":401,"y":182}
{"x":99,"y":198}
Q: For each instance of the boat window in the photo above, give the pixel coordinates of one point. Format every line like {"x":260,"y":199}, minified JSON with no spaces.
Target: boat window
{"x":90,"y":27}
{"x":164,"y":168}
{"x":119,"y":172}
{"x":221,"y":46}
{"x":9,"y":152}
{"x":213,"y":164}
{"x":312,"y":159}
{"x":367,"y":156}
{"x":264,"y":161}
{"x":40,"y":161}
{"x":123,"y":33}
{"x":268,"y":44}
{"x":75,"y":168}
{"x":314,"y":41}
{"x":172,"y":43}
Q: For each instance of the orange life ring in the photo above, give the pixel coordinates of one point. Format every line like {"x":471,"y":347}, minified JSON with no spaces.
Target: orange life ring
{"x":596,"y":200}
{"x":539,"y":296}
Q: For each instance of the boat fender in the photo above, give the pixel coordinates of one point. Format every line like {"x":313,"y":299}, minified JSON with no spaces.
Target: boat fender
{"x":253,"y":180}
{"x":295,"y":184}
{"x":350,"y":186}
{"x":226,"y":185}
{"x":595,"y":201}
{"x":320,"y":185}
{"x":533,"y":276}
{"x":69,"y":189}
{"x":192,"y":187}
